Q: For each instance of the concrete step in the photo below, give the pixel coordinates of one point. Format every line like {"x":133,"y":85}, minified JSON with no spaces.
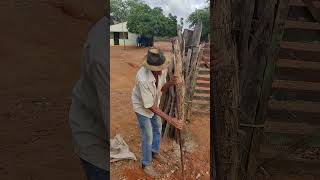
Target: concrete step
{"x":200,"y":104}
{"x":298,"y":70}
{"x":203,"y":65}
{"x":301,"y":51}
{"x":204,"y":71}
{"x":302,"y":25}
{"x":294,"y":111}
{"x":296,"y":90}
{"x":202,"y":83}
{"x":205,"y":90}
{"x":201,"y":112}
{"x":204,"y":77}
{"x":201,"y":96}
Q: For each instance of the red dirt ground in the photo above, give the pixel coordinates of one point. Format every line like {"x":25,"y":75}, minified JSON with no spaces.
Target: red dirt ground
{"x":124,"y":65}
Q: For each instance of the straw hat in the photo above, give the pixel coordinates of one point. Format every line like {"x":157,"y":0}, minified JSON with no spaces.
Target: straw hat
{"x":155,"y":60}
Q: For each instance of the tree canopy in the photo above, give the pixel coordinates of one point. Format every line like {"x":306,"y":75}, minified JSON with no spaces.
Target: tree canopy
{"x":120,"y":9}
{"x":202,"y":15}
{"x":144,"y":20}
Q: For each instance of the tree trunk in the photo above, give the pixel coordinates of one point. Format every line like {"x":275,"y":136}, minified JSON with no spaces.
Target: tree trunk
{"x":246,"y":36}
{"x":225,"y":88}
{"x":268,"y":52}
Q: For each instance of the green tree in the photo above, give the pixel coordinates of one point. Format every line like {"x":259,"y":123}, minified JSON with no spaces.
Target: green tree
{"x":150,"y":22}
{"x":181,"y":22}
{"x":120,"y":9}
{"x":202,"y":15}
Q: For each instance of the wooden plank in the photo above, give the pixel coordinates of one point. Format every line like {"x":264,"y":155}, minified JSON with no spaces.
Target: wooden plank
{"x":302,"y":4}
{"x":296,"y":85}
{"x":290,"y":165}
{"x":315,"y":10}
{"x":294,"y":111}
{"x":299,"y":54}
{"x":299,"y":64}
{"x":301,"y":128}
{"x":295,"y":106}
{"x":297,"y":3}
{"x":298,"y":46}
{"x":290,"y":72}
{"x":302,"y":25}
{"x":298,"y":70}
{"x":296,"y":90}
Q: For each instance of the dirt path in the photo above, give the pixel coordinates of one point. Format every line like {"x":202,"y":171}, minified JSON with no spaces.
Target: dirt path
{"x":124,"y":65}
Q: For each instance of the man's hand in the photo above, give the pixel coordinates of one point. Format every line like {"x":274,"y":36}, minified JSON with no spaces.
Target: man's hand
{"x":171,"y":82}
{"x":177,"y":123}
{"x":174,"y":81}
{"x":174,"y":121}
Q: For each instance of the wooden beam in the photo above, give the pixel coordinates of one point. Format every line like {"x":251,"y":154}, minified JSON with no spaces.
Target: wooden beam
{"x":315,"y":11}
{"x":302,"y":25}
{"x":300,"y":3}
{"x":225,"y":87}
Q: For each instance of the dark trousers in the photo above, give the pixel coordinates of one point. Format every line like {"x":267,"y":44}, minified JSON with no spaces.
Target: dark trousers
{"x":93,"y":172}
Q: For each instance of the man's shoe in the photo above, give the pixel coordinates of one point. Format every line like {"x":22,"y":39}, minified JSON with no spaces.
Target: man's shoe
{"x":150,"y":171}
{"x":159,"y":158}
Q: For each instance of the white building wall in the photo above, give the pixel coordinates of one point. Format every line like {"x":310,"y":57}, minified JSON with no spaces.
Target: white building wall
{"x":111,"y":42}
{"x":122,"y":27}
{"x":131,"y":41}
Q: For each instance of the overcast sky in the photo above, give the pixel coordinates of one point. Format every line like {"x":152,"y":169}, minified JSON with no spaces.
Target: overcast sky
{"x":180,"y":8}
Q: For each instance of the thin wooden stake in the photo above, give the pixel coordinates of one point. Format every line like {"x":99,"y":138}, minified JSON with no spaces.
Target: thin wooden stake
{"x":180,"y":93}
{"x":181,"y":155}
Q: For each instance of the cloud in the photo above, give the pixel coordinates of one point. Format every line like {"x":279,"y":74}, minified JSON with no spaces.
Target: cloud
{"x":180,"y":8}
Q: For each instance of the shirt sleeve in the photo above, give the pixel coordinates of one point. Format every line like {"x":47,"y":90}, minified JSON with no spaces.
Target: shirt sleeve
{"x":100,"y":78}
{"x":165,"y":74}
{"x":146,"y":95}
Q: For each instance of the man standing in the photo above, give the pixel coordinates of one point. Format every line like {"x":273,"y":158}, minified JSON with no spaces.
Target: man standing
{"x":146,"y":95}
{"x":138,"y":41}
{"x":88,"y":116}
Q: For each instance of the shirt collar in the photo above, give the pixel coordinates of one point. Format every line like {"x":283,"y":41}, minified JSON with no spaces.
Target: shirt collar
{"x":151,"y":76}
